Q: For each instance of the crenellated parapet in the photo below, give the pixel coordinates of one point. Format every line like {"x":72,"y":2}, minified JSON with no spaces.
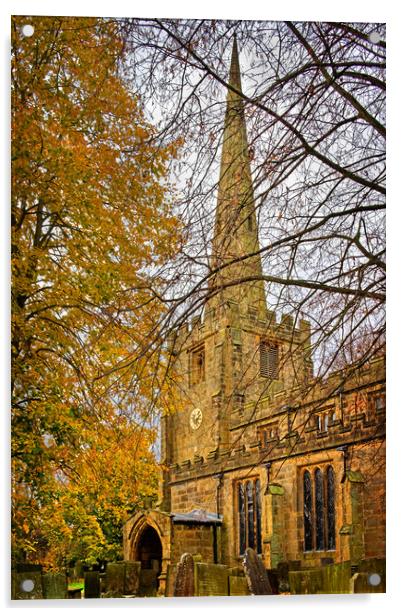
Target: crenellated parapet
{"x":215,"y":320}
{"x":326,"y":418}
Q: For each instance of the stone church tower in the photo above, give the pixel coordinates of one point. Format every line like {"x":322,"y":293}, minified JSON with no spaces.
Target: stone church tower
{"x":236,"y":353}
{"x":255,"y":452}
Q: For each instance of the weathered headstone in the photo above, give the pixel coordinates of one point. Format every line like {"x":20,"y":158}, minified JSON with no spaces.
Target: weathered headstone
{"x":308,"y":582}
{"x":184,"y":583}
{"x":54,"y":585}
{"x":256,"y":574}
{"x":92,"y":585}
{"x":148,"y":583}
{"x":367,"y":583}
{"x":27,"y":585}
{"x":102,"y":582}
{"x":170,"y":580}
{"x":115,"y":575}
{"x":238,"y":586}
{"x":211,"y":580}
{"x":132,"y":577}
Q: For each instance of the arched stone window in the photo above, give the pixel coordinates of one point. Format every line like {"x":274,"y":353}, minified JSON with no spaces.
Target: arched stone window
{"x":242,"y":518}
{"x":249,"y":515}
{"x":308,"y":512}
{"x":319,"y":510}
{"x":331,"y":507}
{"x":258,"y":516}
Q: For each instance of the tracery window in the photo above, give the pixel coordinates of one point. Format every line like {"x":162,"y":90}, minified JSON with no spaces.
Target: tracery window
{"x":308,"y":511}
{"x":249,"y":515}
{"x":331,"y":508}
{"x":319,"y":509}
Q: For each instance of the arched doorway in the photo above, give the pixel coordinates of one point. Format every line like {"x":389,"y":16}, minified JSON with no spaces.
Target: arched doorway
{"x":149,"y":554}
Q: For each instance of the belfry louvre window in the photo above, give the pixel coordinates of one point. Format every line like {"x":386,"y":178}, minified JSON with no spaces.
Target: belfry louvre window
{"x":249,"y":515}
{"x":319,"y":509}
{"x":269,"y":359}
{"x":197,"y":367}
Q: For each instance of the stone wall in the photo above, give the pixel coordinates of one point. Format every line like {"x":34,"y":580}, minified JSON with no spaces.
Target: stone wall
{"x":38,"y":585}
{"x":349,"y":437}
{"x":211,"y":580}
{"x":231,"y":379}
{"x":199,"y":494}
{"x":339,"y":578}
{"x":359,"y":513}
{"x":196,"y":539}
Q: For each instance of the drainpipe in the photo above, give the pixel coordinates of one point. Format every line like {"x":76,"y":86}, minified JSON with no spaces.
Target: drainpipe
{"x":219,"y":478}
{"x":344,"y":449}
{"x":268,"y":471}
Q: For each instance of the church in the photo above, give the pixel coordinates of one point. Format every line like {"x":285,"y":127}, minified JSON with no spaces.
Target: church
{"x":256,"y":452}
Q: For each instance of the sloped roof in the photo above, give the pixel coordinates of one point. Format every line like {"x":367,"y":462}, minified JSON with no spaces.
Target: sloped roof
{"x":197,"y":516}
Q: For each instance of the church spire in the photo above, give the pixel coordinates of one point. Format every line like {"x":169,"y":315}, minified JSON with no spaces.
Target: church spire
{"x":236,"y":233}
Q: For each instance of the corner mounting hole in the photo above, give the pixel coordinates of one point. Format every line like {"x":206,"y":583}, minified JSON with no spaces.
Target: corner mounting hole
{"x":374,"y":579}
{"x":28,"y":585}
{"x":374,"y":37}
{"x":28,"y":30}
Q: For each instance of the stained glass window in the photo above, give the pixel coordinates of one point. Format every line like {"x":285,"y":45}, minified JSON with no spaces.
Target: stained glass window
{"x":249,"y":515}
{"x":308,"y":512}
{"x":242,"y":519}
{"x":319,"y":510}
{"x":331,"y":508}
{"x":258,"y":515}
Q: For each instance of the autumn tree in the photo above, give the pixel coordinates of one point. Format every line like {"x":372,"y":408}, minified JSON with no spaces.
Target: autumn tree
{"x":92,"y":225}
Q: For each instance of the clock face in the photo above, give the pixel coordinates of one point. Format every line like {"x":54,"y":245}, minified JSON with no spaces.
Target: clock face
{"x":195,"y":418}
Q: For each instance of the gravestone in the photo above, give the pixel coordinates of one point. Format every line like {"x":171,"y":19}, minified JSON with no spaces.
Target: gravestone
{"x":54,"y":585}
{"x":27,"y":585}
{"x":367,"y":583}
{"x":92,"y":585}
{"x":132,"y":577}
{"x":115,"y":574}
{"x":212,"y":580}
{"x":170,"y":580}
{"x":256,"y":575}
{"x":238,"y":586}
{"x":148,"y":583}
{"x":184,"y":583}
{"x":102,"y":582}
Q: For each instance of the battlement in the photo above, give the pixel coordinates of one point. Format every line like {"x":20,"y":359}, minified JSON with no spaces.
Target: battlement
{"x":290,"y":423}
{"x":199,"y":327}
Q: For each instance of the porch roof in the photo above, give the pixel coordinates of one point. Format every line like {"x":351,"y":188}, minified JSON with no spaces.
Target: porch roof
{"x":197,"y":516}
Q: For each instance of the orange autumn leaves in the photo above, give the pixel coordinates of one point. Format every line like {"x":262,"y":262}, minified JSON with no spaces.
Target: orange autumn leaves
{"x":92,"y":221}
